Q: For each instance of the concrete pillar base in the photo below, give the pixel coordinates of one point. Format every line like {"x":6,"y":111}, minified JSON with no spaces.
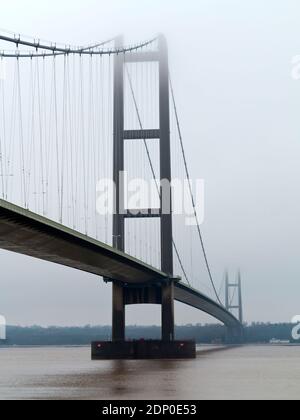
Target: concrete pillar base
{"x":118,"y":315}
{"x":167,"y":313}
{"x":141,"y":350}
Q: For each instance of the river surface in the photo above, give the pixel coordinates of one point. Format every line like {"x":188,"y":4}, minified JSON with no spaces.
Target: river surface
{"x":254,"y":372}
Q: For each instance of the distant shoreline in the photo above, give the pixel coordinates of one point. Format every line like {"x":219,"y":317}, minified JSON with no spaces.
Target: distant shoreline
{"x":204,"y":346}
{"x":214,"y":334}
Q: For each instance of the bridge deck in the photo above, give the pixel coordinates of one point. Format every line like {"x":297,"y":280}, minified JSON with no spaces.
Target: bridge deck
{"x":198,"y":300}
{"x":27,"y":233}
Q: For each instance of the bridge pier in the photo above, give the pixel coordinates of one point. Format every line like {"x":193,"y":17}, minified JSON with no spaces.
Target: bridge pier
{"x":167,"y":312}
{"x":166,"y":348}
{"x":118,"y":313}
{"x":122,"y":296}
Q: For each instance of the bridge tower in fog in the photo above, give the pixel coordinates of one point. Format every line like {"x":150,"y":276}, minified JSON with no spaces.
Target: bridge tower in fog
{"x":233,"y":303}
{"x":233,"y":296}
{"x":163,"y":293}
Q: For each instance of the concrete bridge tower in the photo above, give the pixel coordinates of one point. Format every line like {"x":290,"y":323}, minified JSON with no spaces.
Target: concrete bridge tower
{"x":234,"y":302}
{"x":158,"y":294}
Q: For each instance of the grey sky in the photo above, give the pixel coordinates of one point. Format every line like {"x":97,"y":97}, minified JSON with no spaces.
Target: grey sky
{"x":239,"y":107}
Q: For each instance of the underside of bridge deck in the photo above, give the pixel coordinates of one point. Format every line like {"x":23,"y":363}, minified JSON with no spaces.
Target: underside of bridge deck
{"x":26,"y":233}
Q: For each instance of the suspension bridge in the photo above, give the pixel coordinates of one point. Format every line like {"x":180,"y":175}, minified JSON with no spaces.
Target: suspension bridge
{"x":74,"y":118}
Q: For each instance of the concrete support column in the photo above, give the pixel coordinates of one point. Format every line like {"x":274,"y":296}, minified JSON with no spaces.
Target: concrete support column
{"x":118,"y":313}
{"x":167,"y":312}
{"x":165,"y":160}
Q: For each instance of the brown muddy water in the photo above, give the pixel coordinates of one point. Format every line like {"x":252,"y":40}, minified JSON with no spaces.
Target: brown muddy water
{"x":251,"y":372}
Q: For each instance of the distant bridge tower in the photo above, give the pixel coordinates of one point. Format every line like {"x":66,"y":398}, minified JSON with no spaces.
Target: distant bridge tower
{"x":164,"y":293}
{"x":234,"y":302}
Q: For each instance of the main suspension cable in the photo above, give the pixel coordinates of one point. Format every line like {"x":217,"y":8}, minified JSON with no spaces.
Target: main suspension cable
{"x":55,"y":50}
{"x":152,"y":169}
{"x":192,"y":195}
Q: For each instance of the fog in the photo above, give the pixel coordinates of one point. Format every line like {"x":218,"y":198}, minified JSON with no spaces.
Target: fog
{"x":239,"y":106}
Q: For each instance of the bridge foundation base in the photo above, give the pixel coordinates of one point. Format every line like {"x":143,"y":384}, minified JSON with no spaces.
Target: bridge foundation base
{"x":141,"y":350}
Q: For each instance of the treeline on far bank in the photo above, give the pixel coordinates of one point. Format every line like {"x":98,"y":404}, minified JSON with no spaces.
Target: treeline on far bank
{"x":206,"y":334}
